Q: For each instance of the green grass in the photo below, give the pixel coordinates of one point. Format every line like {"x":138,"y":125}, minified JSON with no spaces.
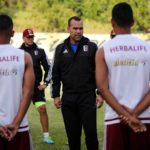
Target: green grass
{"x":56,"y":125}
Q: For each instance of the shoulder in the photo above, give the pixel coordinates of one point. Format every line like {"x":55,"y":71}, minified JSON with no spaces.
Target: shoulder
{"x":93,"y":44}
{"x":146,"y":43}
{"x":17,"y":51}
{"x":100,"y":56}
{"x":40,"y":49}
{"x":27,"y":58}
{"x":92,"y":47}
{"x":60,"y":47}
{"x":100,"y":52}
{"x":89,"y":42}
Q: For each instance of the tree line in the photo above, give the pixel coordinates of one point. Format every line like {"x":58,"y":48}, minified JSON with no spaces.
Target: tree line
{"x":52,"y":15}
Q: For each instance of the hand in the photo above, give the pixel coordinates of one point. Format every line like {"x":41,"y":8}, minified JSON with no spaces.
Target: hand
{"x":124,"y":119}
{"x":42,"y":87}
{"x":57,"y":102}
{"x":136,"y":125}
{"x":12,"y":130}
{"x":99,"y":101}
{"x":3,"y":132}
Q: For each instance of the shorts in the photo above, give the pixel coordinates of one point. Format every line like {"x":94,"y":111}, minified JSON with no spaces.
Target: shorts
{"x":21,"y":141}
{"x":121,"y":137}
{"x":38,"y":95}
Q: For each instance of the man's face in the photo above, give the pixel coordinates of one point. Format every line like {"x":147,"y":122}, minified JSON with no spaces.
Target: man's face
{"x":28,"y":40}
{"x":76,"y":31}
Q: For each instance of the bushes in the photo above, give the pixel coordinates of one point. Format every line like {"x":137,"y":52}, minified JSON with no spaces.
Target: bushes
{"x":52,"y":15}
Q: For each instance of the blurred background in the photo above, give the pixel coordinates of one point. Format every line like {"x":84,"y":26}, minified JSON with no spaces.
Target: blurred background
{"x":52,"y":15}
{"x":48,"y":19}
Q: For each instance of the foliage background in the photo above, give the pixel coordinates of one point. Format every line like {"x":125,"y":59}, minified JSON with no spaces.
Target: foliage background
{"x":52,"y":15}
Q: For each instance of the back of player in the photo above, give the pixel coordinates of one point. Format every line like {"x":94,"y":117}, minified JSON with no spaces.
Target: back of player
{"x":128,"y":62}
{"x":11,"y":77}
{"x":127,"y":57}
{"x":122,"y":76}
{"x":16,"y":84}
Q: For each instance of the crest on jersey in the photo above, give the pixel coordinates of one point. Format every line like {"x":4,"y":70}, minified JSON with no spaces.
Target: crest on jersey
{"x":36,"y":52}
{"x":85,"y":48}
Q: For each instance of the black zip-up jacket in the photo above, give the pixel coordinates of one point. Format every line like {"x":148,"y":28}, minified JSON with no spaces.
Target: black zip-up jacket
{"x":39,"y":60}
{"x":75,"y":71}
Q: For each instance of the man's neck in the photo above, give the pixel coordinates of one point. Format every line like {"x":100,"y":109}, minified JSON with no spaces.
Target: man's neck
{"x":123,"y":30}
{"x":4,"y":40}
{"x":73,"y":41}
{"x":27,"y":45}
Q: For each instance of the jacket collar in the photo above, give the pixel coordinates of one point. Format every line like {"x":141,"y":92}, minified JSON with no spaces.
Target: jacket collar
{"x":32,"y":47}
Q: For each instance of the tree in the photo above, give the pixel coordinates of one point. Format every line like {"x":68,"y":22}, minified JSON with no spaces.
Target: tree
{"x":142,"y":15}
{"x":52,"y":15}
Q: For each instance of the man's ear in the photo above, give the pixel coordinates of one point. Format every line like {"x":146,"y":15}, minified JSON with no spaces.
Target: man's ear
{"x":113,"y":23}
{"x":68,"y":29}
{"x":12,"y":33}
{"x":132,"y":23}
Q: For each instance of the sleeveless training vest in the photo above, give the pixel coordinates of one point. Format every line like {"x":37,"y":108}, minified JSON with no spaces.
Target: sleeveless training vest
{"x":11,"y":80}
{"x":128,"y":61}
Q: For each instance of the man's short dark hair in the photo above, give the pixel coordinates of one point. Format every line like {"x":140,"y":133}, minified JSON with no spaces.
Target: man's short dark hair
{"x":122,"y":14}
{"x":73,"y":18}
{"x":6,"y":23}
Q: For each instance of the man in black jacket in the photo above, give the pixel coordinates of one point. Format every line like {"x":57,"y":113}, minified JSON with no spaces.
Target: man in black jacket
{"x":74,"y":66}
{"x":39,"y":60}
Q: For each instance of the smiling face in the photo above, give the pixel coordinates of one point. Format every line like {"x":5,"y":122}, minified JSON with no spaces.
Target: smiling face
{"x":75,"y":29}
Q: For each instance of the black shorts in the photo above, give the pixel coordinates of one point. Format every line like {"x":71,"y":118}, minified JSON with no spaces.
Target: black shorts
{"x":38,"y":95}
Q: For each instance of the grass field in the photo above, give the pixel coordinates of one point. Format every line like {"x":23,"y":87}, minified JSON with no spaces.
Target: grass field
{"x":56,"y":125}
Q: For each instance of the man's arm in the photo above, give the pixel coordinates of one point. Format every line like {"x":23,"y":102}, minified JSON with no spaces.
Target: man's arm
{"x":141,"y":106}
{"x":28,"y":84}
{"x":55,"y":84}
{"x":144,"y":103}
{"x":47,"y":68}
{"x":102,"y":85}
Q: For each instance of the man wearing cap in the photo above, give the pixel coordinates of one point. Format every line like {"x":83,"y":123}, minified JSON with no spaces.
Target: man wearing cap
{"x":39,"y":60}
